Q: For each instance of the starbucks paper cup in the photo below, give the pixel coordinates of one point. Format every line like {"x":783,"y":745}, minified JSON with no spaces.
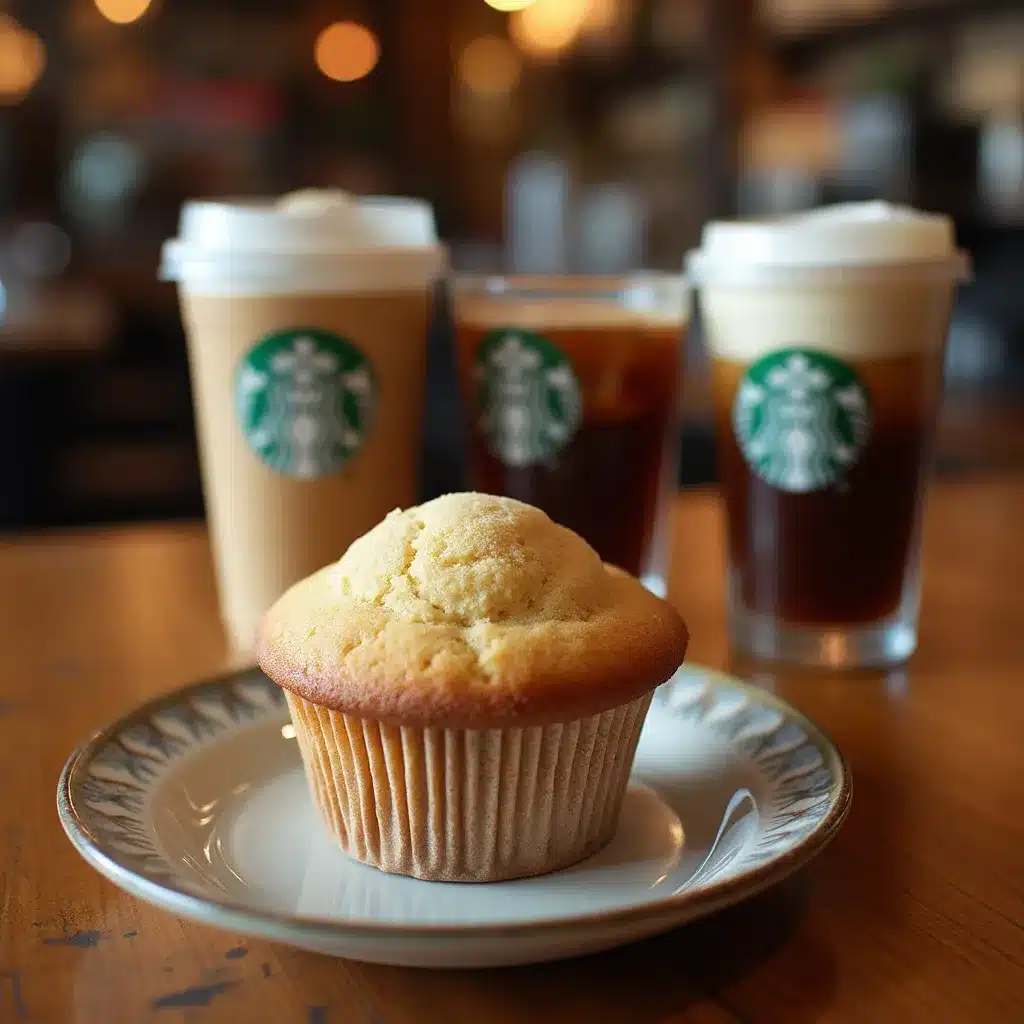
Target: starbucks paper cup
{"x":306,"y":320}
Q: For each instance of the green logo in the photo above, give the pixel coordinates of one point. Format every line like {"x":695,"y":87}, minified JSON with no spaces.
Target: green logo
{"x":306,"y":400}
{"x":802,"y":419}
{"x":529,"y":397}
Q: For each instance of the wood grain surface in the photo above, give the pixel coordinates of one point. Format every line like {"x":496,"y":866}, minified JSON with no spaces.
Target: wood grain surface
{"x":914,"y":914}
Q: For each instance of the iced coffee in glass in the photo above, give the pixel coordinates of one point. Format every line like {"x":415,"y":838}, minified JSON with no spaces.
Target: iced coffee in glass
{"x":827,"y":335}
{"x":571,"y":388}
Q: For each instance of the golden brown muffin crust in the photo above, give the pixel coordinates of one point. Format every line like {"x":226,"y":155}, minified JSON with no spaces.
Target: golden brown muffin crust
{"x":470,"y":611}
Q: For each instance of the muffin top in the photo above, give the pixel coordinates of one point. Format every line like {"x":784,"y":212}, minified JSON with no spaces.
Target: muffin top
{"x":470,"y":611}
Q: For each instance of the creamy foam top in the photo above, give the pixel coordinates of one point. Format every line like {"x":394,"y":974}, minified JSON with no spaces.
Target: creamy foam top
{"x":311,"y":240}
{"x":850,"y":235}
{"x":858,"y":281}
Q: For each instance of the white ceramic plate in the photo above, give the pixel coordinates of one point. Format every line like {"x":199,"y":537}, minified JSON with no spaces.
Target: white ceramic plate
{"x":197,"y":803}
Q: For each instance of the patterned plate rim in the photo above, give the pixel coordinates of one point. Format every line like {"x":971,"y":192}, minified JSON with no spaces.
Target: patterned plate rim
{"x":240,"y":916}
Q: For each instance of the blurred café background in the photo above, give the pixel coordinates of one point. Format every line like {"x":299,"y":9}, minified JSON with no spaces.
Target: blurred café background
{"x":590,"y":135}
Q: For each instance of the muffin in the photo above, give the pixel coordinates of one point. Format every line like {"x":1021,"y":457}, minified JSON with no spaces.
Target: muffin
{"x":467,"y":685}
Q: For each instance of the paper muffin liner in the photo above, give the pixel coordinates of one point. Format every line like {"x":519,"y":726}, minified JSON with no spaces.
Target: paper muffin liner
{"x":468,"y":805}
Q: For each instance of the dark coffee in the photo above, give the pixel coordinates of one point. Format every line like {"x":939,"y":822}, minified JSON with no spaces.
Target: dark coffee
{"x":837,"y":552}
{"x":575,"y":420}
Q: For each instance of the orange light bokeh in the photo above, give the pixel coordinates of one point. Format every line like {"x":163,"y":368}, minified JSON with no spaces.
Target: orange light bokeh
{"x":122,"y":12}
{"x":548,"y":27}
{"x":490,"y":66}
{"x":22,"y":60}
{"x":346,"y":51}
{"x":508,"y":5}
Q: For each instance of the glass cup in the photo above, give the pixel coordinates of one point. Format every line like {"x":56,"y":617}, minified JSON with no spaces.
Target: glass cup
{"x":572,"y":387}
{"x":306,"y":321}
{"x":827,"y":334}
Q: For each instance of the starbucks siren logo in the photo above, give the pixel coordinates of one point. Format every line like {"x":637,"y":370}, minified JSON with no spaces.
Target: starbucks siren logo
{"x":529,"y":397}
{"x":305,"y":400}
{"x":802,"y":419}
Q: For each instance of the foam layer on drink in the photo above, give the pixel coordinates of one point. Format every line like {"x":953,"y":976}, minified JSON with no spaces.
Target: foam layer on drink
{"x":662,"y":305}
{"x":845,"y":235}
{"x":312,"y":241}
{"x":858,"y":281}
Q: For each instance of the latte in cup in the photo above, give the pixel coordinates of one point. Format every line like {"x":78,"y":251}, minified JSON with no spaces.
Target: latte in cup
{"x":306,"y":320}
{"x":827,"y":336}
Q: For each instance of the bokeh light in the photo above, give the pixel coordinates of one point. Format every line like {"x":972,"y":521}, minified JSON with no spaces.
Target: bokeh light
{"x":487,"y":120}
{"x":548,"y":27}
{"x":22,"y":60}
{"x":122,"y":12}
{"x":508,"y":5}
{"x":104,"y":168}
{"x":490,"y":66}
{"x":40,"y":249}
{"x":346,"y":51}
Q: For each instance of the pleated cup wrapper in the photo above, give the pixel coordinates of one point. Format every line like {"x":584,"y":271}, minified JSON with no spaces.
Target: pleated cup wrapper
{"x":468,"y":805}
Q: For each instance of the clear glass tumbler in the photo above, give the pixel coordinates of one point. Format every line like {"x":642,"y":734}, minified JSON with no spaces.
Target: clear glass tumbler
{"x":571,"y":386}
{"x":826,"y":382}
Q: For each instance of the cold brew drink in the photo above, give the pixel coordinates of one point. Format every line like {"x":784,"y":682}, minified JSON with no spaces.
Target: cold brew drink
{"x":827,"y":336}
{"x":571,"y":387}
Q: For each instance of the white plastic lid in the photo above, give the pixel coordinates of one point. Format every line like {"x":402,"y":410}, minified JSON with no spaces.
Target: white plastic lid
{"x":309,"y":241}
{"x":832,"y":240}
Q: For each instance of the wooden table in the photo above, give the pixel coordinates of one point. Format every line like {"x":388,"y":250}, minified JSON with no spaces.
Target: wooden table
{"x":915,"y":913}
